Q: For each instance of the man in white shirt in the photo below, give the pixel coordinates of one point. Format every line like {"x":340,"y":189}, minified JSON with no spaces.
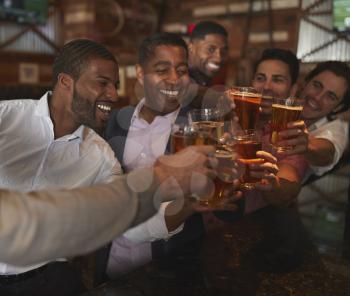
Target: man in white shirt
{"x":43,"y":225}
{"x":50,"y":143}
{"x":326,"y":93}
{"x":163,"y":72}
{"x":320,"y":137}
{"x":139,"y":135}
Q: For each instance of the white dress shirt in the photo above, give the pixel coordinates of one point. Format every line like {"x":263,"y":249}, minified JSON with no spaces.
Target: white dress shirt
{"x":31,"y":159}
{"x":336,"y":131}
{"x":144,"y":143}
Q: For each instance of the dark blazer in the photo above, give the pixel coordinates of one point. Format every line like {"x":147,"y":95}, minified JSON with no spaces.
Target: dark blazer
{"x":183,"y":242}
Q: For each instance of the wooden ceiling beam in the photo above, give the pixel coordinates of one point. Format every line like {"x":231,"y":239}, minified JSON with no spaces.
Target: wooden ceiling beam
{"x":13,"y":38}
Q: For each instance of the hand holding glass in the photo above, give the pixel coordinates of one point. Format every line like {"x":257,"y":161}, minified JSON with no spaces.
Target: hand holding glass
{"x":247,"y":101}
{"x":283,"y":112}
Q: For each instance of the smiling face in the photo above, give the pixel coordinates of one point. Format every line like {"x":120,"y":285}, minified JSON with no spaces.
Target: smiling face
{"x":272,"y":78}
{"x":323,"y":94}
{"x":95,"y":92}
{"x":164,"y":78}
{"x":208,"y":55}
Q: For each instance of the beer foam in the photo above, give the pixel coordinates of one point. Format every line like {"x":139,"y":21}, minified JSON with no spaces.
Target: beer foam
{"x":267,"y":97}
{"x":296,"y":108}
{"x":224,"y":154}
{"x":245,"y":94}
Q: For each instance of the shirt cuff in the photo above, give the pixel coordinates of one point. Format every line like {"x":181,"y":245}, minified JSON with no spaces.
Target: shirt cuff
{"x":153,"y":229}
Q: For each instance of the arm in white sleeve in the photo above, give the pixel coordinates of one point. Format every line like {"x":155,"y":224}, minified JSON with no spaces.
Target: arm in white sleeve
{"x":337,"y":133}
{"x":153,"y":229}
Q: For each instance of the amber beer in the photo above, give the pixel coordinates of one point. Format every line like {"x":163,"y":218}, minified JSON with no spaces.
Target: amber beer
{"x":247,"y":102}
{"x":246,"y":148}
{"x":208,"y":122}
{"x":187,"y":135}
{"x":224,"y":179}
{"x":283,"y":112}
{"x":180,"y":140}
{"x":213,"y":130}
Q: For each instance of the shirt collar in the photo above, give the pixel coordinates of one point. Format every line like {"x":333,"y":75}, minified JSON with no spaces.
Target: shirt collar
{"x":318,"y":123}
{"x":170,"y":116}
{"x":42,"y":109}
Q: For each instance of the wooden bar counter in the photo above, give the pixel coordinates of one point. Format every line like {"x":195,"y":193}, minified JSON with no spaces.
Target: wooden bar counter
{"x":223,"y":268}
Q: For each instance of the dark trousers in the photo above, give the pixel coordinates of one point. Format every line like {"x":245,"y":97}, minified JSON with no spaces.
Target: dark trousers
{"x":58,"y":278}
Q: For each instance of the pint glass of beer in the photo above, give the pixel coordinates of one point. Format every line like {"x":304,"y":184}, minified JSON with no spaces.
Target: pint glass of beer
{"x":247,"y":101}
{"x":224,"y":180}
{"x":209,"y":122}
{"x":246,"y":146}
{"x":266,"y":104}
{"x":284,"y":111}
{"x":182,"y":136}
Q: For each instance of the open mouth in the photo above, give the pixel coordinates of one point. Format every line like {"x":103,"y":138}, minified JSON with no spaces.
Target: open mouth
{"x":213,"y":66}
{"x":105,"y":107}
{"x":170,"y":93}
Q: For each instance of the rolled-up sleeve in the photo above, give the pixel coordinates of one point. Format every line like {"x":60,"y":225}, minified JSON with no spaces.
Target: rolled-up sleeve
{"x":337,"y":133}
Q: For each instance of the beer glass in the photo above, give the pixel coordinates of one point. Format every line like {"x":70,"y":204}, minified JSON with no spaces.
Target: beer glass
{"x":246,"y":146}
{"x":284,"y":111}
{"x":209,"y":122}
{"x":247,"y":101}
{"x":266,"y":103}
{"x":224,"y":179}
{"x":182,"y":136}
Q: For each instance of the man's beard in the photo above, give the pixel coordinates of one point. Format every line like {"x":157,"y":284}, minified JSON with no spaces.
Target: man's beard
{"x":83,"y":110}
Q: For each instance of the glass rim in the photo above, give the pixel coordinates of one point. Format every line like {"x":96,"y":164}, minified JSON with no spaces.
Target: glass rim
{"x":290,"y":101}
{"x":205,"y":111}
{"x":244,"y":136}
{"x":204,"y":114}
{"x":244,"y":89}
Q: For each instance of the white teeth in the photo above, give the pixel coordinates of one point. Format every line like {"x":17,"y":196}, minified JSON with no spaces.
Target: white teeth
{"x":170,"y":93}
{"x":104,"y":107}
{"x":213,"y":66}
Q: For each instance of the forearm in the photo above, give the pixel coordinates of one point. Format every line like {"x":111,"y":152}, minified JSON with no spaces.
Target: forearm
{"x":45,"y":225}
{"x":286,"y":188}
{"x":283,"y":194}
{"x":320,"y":152}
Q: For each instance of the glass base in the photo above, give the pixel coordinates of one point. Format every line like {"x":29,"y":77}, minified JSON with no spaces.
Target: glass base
{"x":247,"y":186}
{"x":204,"y":203}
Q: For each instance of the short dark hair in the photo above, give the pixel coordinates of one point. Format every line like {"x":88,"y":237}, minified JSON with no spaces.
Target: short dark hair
{"x":149,"y":44}
{"x":207,"y":27}
{"x":340,"y":69}
{"x":75,"y":55}
{"x":283,"y":55}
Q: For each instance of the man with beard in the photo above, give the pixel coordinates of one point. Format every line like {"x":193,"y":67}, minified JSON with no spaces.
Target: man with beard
{"x":139,"y":135}
{"x":50,"y":143}
{"x":208,"y":51}
{"x":43,"y":225}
